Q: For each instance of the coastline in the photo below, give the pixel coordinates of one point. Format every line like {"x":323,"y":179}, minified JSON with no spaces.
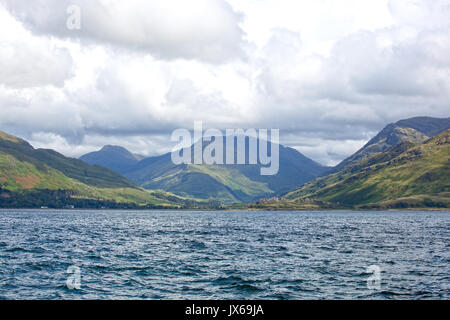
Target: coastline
{"x":234,"y":210}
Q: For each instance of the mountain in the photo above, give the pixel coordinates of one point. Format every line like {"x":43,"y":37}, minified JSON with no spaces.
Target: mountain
{"x":226,"y":183}
{"x":39,"y":177}
{"x":407,"y":174}
{"x":413,"y":130}
{"x":115,"y":158}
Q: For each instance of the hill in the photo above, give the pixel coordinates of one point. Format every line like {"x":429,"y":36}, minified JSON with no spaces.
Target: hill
{"x":413,"y":130}
{"x":226,"y":183}
{"x":115,"y":158}
{"x":405,"y":175}
{"x":39,"y":177}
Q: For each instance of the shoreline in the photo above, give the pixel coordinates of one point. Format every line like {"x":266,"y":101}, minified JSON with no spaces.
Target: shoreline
{"x":237,"y":210}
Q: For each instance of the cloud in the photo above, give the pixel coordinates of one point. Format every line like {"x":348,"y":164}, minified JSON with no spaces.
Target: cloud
{"x":44,"y":109}
{"x":207,"y":30}
{"x":329,"y":152}
{"x":29,"y":62}
{"x":135,"y":75}
{"x":150,"y":145}
{"x":403,"y":68}
{"x":23,"y":65}
{"x":417,"y":13}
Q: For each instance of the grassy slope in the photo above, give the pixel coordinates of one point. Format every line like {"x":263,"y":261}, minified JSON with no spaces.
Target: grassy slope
{"x":223,"y":183}
{"x":24,"y":169}
{"x":233,"y":179}
{"x":42,"y":159}
{"x":18,"y":176}
{"x":226,"y":183}
{"x":419,"y":173}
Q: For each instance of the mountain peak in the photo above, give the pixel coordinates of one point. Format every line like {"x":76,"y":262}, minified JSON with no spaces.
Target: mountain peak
{"x":116,"y":158}
{"x":427,"y":125}
{"x":414,"y":130}
{"x":109,"y":147}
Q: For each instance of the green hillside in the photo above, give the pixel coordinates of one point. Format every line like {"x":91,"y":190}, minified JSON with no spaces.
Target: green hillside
{"x":36,"y":177}
{"x":407,"y":174}
{"x":226,"y":183}
{"x":223,"y":183}
{"x":237,"y":183}
{"x":41,"y":159}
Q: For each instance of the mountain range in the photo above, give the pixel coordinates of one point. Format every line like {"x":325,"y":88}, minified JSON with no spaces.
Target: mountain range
{"x":407,"y":164}
{"x":225,"y":183}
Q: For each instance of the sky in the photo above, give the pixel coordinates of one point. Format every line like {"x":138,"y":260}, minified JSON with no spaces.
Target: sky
{"x":328,"y":74}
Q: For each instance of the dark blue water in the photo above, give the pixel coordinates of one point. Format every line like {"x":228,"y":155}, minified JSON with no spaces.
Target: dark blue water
{"x":223,"y":255}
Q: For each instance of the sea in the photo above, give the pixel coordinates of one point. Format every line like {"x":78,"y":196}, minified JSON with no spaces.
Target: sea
{"x":109,"y":254}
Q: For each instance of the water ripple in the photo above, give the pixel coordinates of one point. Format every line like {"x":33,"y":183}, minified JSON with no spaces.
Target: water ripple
{"x":224,"y":255}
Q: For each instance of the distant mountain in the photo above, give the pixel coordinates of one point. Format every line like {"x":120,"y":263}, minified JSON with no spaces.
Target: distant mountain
{"x":413,"y":130}
{"x":227,"y":183}
{"x":38,"y":177}
{"x":407,"y":174}
{"x":115,"y":158}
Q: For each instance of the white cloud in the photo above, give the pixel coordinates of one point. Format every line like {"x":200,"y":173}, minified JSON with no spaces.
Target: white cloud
{"x":329,"y":152}
{"x":421,"y":14}
{"x":26,"y":61}
{"x":328,"y":74}
{"x":207,"y":30}
{"x":23,"y":65}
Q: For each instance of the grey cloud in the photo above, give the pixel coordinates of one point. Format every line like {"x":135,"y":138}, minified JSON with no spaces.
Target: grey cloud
{"x":355,"y":92}
{"x":206,"y":30}
{"x":211,"y":108}
{"x":411,"y":68}
{"x":325,"y":107}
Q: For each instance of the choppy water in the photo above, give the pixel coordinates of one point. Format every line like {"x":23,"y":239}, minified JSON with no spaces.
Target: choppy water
{"x":223,"y":255}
